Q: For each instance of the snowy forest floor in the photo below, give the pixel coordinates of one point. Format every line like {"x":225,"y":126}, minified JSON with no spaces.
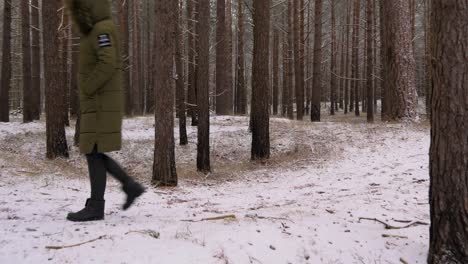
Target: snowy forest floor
{"x":302,"y":206}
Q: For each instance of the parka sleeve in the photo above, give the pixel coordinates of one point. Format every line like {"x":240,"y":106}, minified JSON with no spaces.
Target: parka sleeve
{"x":106,"y":56}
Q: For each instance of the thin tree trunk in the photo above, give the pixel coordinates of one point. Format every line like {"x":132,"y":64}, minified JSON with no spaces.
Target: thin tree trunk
{"x":229,"y":56}
{"x":333,"y":59}
{"x":36,"y":61}
{"x":347,"y":62}
{"x":203,"y":146}
{"x":260,"y":75}
{"x":298,"y":60}
{"x":180,"y":79}
{"x":370,"y":65}
{"x":55,"y":126}
{"x":192,"y":17}
{"x":355,"y":54}
{"x":28,"y":107}
{"x":241,"y":90}
{"x":5,"y":86}
{"x":136,"y":82}
{"x":221,"y":59}
{"x":285,"y":91}
{"x":449,"y":134}
{"x":164,"y":168}
{"x":275,"y":71}
{"x":291,"y":60}
{"x":317,"y":73}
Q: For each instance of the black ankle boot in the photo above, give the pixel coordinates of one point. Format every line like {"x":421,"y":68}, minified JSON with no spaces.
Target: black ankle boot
{"x":133,"y":190}
{"x":93,"y":211}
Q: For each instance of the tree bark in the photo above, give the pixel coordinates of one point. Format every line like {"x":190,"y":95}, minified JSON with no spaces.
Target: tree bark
{"x":203,"y":147}
{"x":180,"y":80}
{"x":275,"y":71}
{"x":317,"y":72}
{"x":370,"y":65}
{"x":221,"y":59}
{"x":355,"y":60}
{"x":290,"y":60}
{"x":399,"y":59}
{"x":28,"y":106}
{"x":6,"y":65}
{"x":449,"y":134}
{"x":348,"y":45}
{"x":36,"y":61}
{"x":260,"y":76}
{"x":137,"y":107}
{"x":164,"y":168}
{"x":241,"y":93}
{"x":298,"y":59}
{"x":55,"y":126}
{"x":192,"y":42}
{"x":333,"y":71}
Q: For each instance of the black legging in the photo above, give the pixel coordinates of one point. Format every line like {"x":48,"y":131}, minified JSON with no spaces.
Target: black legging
{"x":98,"y":165}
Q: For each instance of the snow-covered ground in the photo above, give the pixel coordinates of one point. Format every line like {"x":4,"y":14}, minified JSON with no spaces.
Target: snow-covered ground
{"x":302,"y":206}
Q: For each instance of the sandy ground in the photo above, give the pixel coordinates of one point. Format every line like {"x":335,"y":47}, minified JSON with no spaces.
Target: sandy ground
{"x":302,"y":206}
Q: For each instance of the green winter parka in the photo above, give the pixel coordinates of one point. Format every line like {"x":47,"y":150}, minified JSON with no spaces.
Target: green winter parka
{"x":100,"y":74}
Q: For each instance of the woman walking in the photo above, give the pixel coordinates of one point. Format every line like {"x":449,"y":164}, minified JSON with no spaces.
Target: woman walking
{"x":101,"y":104}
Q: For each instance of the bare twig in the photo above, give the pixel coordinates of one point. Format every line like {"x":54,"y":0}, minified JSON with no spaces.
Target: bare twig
{"x":387,"y":226}
{"x":211,"y":218}
{"x":395,"y":236}
{"x":76,"y":245}
{"x":149,"y":232}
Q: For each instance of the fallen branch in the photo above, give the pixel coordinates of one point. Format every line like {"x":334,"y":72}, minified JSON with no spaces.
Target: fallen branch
{"x":256,"y":216}
{"x":395,"y":236}
{"x":76,"y":245}
{"x":211,"y":218}
{"x":402,"y":260}
{"x":387,"y":226}
{"x":149,"y":232}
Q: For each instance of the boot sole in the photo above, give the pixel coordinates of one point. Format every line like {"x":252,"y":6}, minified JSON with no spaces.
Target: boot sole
{"x":98,"y":218}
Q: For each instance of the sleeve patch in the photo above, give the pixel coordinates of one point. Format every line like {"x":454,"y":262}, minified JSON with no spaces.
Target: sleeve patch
{"x":104,"y":40}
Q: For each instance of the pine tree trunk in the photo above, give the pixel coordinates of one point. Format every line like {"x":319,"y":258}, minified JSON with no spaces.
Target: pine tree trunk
{"x":355,"y":54}
{"x":333,"y":60}
{"x":317,"y":72}
{"x":164,"y":168}
{"x":36,"y":61}
{"x":6,"y":65}
{"x":290,"y":60}
{"x":285,"y":90}
{"x":192,"y":40}
{"x":180,"y":79}
{"x":348,"y":45}
{"x":241,"y":93}
{"x":28,"y":107}
{"x":221,"y":59}
{"x":275,"y":71}
{"x":370,"y":65}
{"x":399,"y":59}
{"x":449,"y":134}
{"x":203,"y":146}
{"x":55,"y":126}
{"x":342,"y":80}
{"x":298,"y":60}
{"x":229,"y":56}
{"x":260,"y":76}
{"x":136,"y":82}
